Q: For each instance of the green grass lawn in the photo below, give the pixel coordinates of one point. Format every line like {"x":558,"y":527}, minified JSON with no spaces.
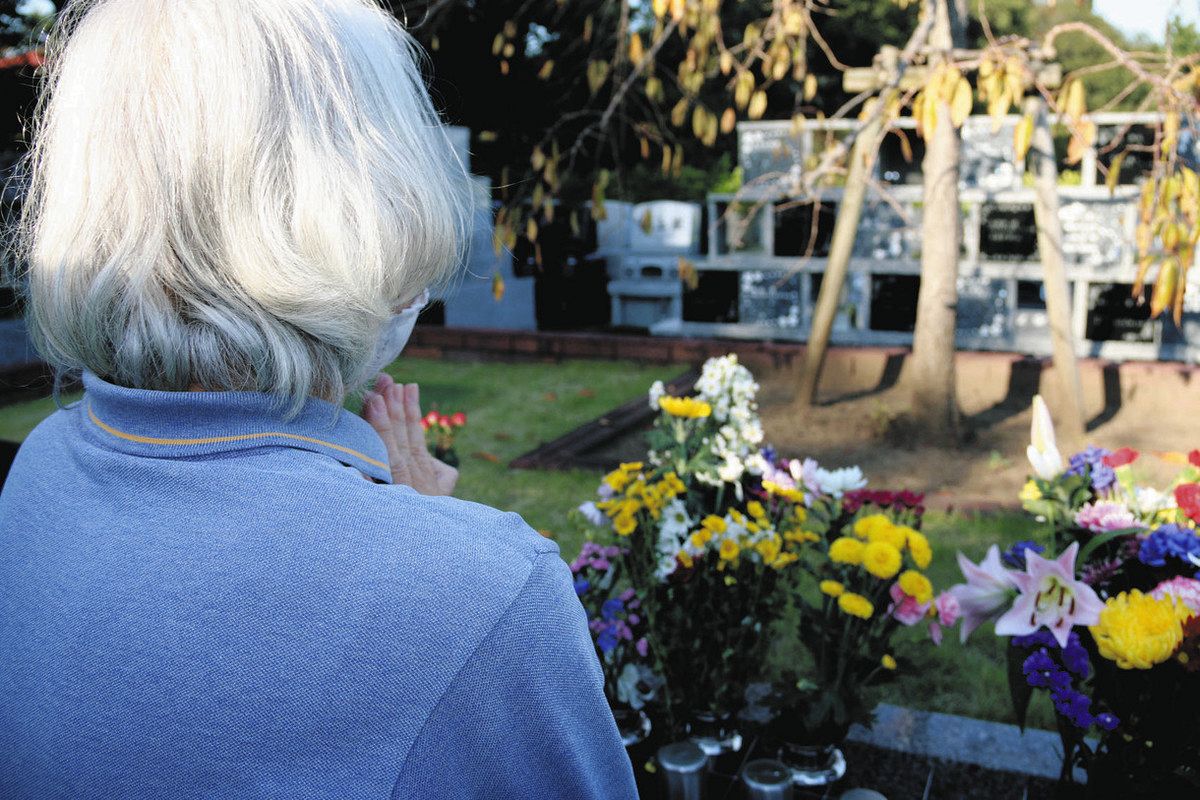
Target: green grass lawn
{"x":513,"y":408}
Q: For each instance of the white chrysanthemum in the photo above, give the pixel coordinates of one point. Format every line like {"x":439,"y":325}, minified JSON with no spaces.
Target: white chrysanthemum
{"x":675,"y":524}
{"x":837,"y":482}
{"x":591,"y":513}
{"x":666,"y":566}
{"x":657,"y":391}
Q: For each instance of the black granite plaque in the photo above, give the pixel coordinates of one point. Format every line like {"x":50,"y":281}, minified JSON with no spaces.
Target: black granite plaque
{"x":1115,"y":316}
{"x":715,"y":298}
{"x":795,"y":231}
{"x":771,"y":298}
{"x":1007,"y":232}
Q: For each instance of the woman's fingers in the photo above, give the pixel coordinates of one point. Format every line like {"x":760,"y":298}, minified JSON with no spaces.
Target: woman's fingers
{"x":375,"y":411}
{"x":412,"y":422}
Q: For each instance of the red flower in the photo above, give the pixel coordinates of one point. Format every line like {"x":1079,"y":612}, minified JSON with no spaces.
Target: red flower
{"x":1187,"y":496}
{"x":1126,"y":455}
{"x":458,"y":419}
{"x":1194,"y":458}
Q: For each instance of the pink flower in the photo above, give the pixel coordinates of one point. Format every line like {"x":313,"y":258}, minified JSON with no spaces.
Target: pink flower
{"x":905,"y":607}
{"x":1051,"y":597}
{"x":1105,"y":516}
{"x":988,"y":590}
{"x":948,"y":612}
{"x":1185,"y":590}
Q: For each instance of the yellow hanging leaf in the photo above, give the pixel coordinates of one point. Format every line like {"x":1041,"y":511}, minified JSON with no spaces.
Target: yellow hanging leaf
{"x":758,"y":105}
{"x":1170,"y":132}
{"x":728,"y":121}
{"x":1022,"y":138}
{"x":960,"y":105}
{"x":647,"y":222}
{"x":654,"y":89}
{"x":1075,"y":103}
{"x":906,"y":150}
{"x":635,"y":49}
{"x":1164,"y":286}
{"x":546,"y":70}
{"x":929,"y":122}
{"x":688,"y":274}
{"x":666,"y":159}
{"x":678,"y":7}
{"x":497,"y":44}
{"x":810,"y":86}
{"x":679,"y":112}
{"x":531,"y":229}
{"x":726,"y":62}
{"x":660,"y":8}
{"x":497,"y":287}
{"x":1114,"y":172}
{"x":487,"y":136}
{"x":537,"y":159}
{"x":644,"y":143}
{"x":588,"y":24}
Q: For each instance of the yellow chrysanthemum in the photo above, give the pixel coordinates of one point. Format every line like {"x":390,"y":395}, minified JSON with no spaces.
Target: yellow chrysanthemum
{"x":729,"y":550}
{"x":700,"y":538}
{"x":881,"y":559}
{"x":833,"y":588}
{"x":887,"y":661}
{"x":1030,"y":492}
{"x":783,"y":559}
{"x":1137,"y":631}
{"x":916,"y":586}
{"x":671,"y":484}
{"x":685,"y":407}
{"x":685,"y":558}
{"x":802,"y":536}
{"x":895,"y":535}
{"x":617,"y":480}
{"x":756,"y":510}
{"x":919,"y":547}
{"x":865,"y":525}
{"x":793,"y":495}
{"x":624,"y":524}
{"x":714,"y":524}
{"x":768,"y":549}
{"x":631,"y":466}
{"x":846,"y":551}
{"x":856,"y":605}
{"x":738,"y":517}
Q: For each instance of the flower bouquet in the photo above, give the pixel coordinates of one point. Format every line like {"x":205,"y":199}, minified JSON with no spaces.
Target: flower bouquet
{"x":715,"y":540}
{"x":1108,"y":621}
{"x":860,"y":579}
{"x":440,"y":430}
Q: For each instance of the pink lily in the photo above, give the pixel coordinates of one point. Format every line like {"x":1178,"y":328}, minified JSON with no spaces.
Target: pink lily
{"x":1050,"y":596}
{"x":988,"y":590}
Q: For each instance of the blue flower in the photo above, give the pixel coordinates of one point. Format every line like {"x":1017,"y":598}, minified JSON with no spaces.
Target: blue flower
{"x":1075,"y":657}
{"x":1107,"y":721}
{"x":1014,"y":557}
{"x":607,"y":639}
{"x":1168,"y":540}
{"x":1040,"y":637}
{"x":1091,"y":462}
{"x":1043,"y":672}
{"x":581,"y":585}
{"x":611,"y":608}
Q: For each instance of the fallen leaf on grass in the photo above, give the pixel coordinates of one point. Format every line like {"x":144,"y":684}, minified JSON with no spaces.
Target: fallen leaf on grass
{"x":586,"y":393}
{"x":486,"y":456}
{"x":546,"y":533}
{"x":501,"y":436}
{"x":550,"y":397}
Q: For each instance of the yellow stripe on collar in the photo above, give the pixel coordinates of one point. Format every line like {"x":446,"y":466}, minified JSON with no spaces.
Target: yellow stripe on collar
{"x":224,"y":439}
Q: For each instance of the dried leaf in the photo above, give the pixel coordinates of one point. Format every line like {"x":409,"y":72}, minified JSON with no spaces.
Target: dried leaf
{"x":647,"y":222}
{"x":636,"y":53}
{"x":546,"y":70}
{"x":1022,"y":138}
{"x":728,"y":120}
{"x":758,"y":105}
{"x":497,"y":287}
{"x":483,"y":455}
{"x":1164,"y":286}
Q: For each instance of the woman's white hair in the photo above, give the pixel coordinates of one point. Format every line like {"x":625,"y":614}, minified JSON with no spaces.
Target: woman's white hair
{"x":234,"y":195}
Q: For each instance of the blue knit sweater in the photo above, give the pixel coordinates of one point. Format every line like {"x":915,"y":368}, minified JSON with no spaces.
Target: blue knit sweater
{"x":199,"y":599}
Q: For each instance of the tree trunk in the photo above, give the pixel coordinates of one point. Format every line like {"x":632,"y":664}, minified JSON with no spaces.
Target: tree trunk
{"x":1058,"y":298}
{"x":931,"y":373}
{"x":845,"y":229}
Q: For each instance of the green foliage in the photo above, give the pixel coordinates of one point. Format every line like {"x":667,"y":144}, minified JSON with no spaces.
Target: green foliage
{"x":642,"y":182}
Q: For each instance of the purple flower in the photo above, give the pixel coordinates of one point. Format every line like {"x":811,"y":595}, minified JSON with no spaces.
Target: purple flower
{"x":1043,"y":672}
{"x":642,"y":647}
{"x":1091,"y":463}
{"x":626,"y":595}
{"x":1075,"y":657}
{"x":1107,"y":721}
{"x":1168,"y":540}
{"x":1073,"y":705}
{"x":1014,"y":557}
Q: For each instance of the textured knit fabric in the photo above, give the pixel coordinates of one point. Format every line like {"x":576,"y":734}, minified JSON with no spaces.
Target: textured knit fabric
{"x":199,"y":599}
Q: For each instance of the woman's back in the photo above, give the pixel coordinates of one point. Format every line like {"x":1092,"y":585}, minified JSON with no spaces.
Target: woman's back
{"x":199,"y":599}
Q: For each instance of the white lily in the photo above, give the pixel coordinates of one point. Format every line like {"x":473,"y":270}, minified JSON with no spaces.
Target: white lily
{"x":1043,"y":450}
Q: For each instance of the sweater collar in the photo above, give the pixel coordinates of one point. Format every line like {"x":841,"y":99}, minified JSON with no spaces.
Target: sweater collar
{"x":177,"y":424}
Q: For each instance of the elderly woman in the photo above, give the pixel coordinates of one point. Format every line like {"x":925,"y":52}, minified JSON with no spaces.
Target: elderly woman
{"x":215,"y":582}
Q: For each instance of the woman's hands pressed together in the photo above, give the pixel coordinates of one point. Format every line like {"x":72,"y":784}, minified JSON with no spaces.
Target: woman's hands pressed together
{"x":394,"y":411}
